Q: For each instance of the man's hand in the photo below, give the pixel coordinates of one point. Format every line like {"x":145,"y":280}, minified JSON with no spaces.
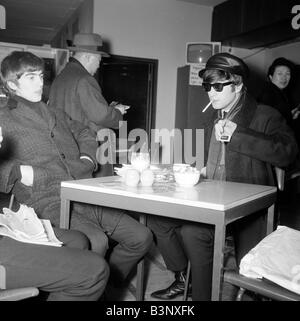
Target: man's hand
{"x":295,"y":113}
{"x":224,"y":128}
{"x":27,"y":175}
{"x":203,"y":172}
{"x":122,"y":108}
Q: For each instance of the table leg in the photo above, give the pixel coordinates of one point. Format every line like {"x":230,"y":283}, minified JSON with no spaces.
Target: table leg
{"x":140,"y":270}
{"x":218,"y":260}
{"x":64,"y":213}
{"x":270,"y":223}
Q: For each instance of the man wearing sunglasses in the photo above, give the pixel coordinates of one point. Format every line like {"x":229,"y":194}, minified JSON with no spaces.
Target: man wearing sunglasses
{"x":243,"y":144}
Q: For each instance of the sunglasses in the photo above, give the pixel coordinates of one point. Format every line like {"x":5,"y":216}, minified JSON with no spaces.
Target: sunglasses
{"x":218,"y":86}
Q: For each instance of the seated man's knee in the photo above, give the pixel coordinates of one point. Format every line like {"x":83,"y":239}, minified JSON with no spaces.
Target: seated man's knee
{"x":81,"y":241}
{"x":96,"y":273}
{"x":200,"y":232}
{"x":102,"y":269}
{"x":96,"y":236}
{"x":143,"y":238}
{"x":72,"y":238}
{"x":99,"y":243}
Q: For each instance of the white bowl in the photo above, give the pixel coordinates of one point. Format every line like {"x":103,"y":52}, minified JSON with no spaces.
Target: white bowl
{"x":187,"y":179}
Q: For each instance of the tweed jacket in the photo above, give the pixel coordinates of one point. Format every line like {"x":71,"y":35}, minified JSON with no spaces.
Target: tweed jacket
{"x":261,"y":141}
{"x":80,"y":96}
{"x":52,"y":144}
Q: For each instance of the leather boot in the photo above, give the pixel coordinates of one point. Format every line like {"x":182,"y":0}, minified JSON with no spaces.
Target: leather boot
{"x":174,"y":290}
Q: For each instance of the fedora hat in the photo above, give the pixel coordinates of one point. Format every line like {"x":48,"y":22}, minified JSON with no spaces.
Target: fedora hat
{"x":88,"y":42}
{"x":226,"y":62}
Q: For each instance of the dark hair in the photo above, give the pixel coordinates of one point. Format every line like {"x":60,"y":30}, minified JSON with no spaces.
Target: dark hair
{"x":17,"y":63}
{"x":215,"y":75}
{"x":281,"y":62}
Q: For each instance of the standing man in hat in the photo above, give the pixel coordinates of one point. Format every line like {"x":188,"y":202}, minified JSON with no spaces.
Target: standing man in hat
{"x":245,"y":141}
{"x":77,"y":92}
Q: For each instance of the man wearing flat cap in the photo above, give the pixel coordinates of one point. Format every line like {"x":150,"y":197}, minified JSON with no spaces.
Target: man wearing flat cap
{"x":77,"y":92}
{"x":244,"y":143}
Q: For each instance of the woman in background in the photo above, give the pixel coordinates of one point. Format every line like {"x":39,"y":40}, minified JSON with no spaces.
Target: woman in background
{"x":274,"y":93}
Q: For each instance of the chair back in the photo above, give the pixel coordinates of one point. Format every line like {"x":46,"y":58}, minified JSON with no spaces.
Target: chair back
{"x":14,"y":294}
{"x":280,"y":177}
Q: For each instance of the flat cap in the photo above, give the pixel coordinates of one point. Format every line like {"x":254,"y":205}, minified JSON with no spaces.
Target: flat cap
{"x":226,"y":62}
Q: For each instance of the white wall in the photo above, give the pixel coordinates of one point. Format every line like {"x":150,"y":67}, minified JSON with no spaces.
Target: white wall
{"x":260,"y":59}
{"x":156,"y":29}
{"x":290,"y":51}
{"x":257,"y":61}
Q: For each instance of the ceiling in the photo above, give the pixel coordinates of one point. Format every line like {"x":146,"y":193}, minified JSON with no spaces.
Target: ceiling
{"x":38,"y":22}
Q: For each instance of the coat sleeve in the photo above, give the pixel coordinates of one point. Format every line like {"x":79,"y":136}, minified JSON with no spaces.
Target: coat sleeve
{"x":6,"y":172}
{"x":10,"y":174}
{"x":95,"y":106}
{"x":274,"y":144}
{"x":84,"y":137}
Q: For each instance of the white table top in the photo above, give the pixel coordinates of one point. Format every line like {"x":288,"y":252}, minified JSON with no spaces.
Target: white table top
{"x":216,"y":195}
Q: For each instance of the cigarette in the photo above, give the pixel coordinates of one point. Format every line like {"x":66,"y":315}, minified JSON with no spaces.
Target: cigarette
{"x":206,"y":107}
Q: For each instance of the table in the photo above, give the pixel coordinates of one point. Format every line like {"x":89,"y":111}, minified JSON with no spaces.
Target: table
{"x":212,"y":202}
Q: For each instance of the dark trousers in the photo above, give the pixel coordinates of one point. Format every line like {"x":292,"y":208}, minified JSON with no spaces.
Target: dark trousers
{"x":98,"y":223}
{"x":68,"y":273}
{"x":198,"y":242}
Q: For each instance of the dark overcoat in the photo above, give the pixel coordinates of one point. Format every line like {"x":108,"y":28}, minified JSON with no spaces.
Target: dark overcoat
{"x":272,"y":96}
{"x":80,"y":96}
{"x":261,"y":141}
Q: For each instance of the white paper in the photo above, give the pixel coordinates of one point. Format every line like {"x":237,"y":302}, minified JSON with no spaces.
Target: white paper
{"x":25,"y":226}
{"x":276,"y":258}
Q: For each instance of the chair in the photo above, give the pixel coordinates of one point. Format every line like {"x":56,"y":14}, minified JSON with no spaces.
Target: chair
{"x":260,"y":287}
{"x":14,"y":294}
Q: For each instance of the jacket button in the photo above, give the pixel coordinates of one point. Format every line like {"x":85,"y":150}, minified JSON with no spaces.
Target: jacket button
{"x":63,"y":156}
{"x":52,"y":135}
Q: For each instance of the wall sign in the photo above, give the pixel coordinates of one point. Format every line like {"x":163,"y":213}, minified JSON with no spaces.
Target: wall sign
{"x":194,"y":79}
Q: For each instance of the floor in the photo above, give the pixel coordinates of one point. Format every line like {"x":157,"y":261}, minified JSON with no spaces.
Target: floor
{"x":158,"y":277}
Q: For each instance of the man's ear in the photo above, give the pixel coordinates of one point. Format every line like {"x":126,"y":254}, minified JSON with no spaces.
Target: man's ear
{"x":11,"y":85}
{"x":270,"y":77}
{"x":239,"y":87}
